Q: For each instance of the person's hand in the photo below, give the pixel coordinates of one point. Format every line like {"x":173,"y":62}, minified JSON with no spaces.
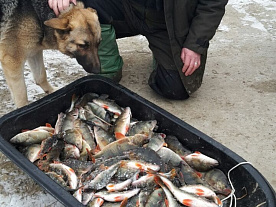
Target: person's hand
{"x":191,"y":61}
{"x":60,"y":5}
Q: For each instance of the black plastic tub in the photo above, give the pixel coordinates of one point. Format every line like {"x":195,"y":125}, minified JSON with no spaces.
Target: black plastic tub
{"x":249,"y":184}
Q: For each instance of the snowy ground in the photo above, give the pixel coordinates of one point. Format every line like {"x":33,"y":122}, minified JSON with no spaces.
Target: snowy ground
{"x":235,"y":105}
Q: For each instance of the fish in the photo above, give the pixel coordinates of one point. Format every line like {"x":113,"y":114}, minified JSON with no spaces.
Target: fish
{"x":32,"y":152}
{"x":84,"y":99}
{"x":74,"y":99}
{"x":144,"y":196}
{"x":185,"y":198}
{"x":147,"y":155}
{"x":140,"y":165}
{"x":68,"y":120}
{"x":80,"y":167}
{"x":99,"y":111}
{"x":167,"y":155}
{"x":190,"y":176}
{"x":144,"y":181}
{"x":111,"y":187}
{"x":87,"y":197}
{"x":30,"y":137}
{"x":143,"y":127}
{"x":122,"y":124}
{"x":203,"y":191}
{"x":47,"y":127}
{"x":124,"y":172}
{"x":218,"y":181}
{"x":59,"y":123}
{"x":117,"y":196}
{"x":156,"y":141}
{"x":103,"y":137}
{"x":55,"y":152}
{"x":156,"y":198}
{"x":70,"y":151}
{"x":118,"y":147}
{"x":87,"y":116}
{"x":171,"y":201}
{"x":47,"y":144}
{"x":84,"y":151}
{"x":103,"y":178}
{"x":74,"y":137}
{"x":58,"y":179}
{"x":96,"y":202}
{"x":175,"y":145}
{"x":78,"y":194}
{"x":70,"y":173}
{"x":109,"y":105}
{"x":87,"y":133}
{"x":200,"y":162}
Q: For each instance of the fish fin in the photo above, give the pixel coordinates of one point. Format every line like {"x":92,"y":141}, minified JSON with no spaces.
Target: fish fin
{"x":199,"y":192}
{"x":124,"y":202}
{"x":150,"y":171}
{"x":217,"y":200}
{"x":117,"y":114}
{"x":92,"y":158}
{"x":100,"y":201}
{"x":119,"y":135}
{"x":97,"y":148}
{"x":199,"y":174}
{"x":48,"y":125}
{"x":173,"y":173}
{"x":118,"y":198}
{"x":105,"y":106}
{"x":167,"y":202}
{"x":158,"y":181}
{"x":187,"y":202}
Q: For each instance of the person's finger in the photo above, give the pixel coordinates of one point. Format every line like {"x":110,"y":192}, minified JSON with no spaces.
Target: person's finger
{"x":74,"y":1}
{"x":186,"y":65}
{"x":65,"y":5}
{"x":55,"y":7}
{"x":182,"y":55}
{"x":50,"y":3}
{"x":190,"y":68}
{"x":60,"y":5}
{"x":193,"y":66}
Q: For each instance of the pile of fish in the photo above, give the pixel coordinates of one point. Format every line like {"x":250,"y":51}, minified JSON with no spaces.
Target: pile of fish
{"x":105,"y":157}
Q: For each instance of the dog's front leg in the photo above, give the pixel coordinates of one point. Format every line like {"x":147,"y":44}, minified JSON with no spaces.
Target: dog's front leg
{"x":13,"y":71}
{"x":39,"y":73}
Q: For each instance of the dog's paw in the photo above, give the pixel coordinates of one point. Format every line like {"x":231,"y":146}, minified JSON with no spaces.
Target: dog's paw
{"x":51,"y":90}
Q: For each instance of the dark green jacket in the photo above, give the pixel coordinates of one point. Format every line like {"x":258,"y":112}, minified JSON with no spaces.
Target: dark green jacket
{"x":192,"y":24}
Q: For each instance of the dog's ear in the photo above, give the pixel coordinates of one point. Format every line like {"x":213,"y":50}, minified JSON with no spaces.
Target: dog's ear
{"x":57,"y":23}
{"x":92,"y":10}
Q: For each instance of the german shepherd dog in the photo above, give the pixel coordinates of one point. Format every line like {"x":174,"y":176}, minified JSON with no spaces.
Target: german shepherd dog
{"x":27,"y":27}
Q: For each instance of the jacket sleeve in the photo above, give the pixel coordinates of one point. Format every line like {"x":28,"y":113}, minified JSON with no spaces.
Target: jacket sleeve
{"x":208,"y":15}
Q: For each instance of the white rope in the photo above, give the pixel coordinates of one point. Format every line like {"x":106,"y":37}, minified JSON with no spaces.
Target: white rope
{"x":232,"y":195}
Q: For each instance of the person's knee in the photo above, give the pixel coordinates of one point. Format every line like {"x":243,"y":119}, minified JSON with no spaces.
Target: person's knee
{"x":168,"y":84}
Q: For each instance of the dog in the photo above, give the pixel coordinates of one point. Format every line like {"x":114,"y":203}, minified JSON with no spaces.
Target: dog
{"x":27,"y":27}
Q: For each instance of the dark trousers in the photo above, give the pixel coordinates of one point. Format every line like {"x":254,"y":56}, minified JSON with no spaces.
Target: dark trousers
{"x":129,"y":18}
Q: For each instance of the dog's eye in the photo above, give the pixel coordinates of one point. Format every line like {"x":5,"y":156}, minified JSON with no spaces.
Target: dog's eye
{"x":83,"y":46}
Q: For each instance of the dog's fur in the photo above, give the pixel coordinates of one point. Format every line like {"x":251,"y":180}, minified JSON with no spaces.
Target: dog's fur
{"x":27,"y":27}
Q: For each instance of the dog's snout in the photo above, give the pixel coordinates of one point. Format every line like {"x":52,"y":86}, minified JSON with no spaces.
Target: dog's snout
{"x":92,"y":68}
{"x":90,"y":63}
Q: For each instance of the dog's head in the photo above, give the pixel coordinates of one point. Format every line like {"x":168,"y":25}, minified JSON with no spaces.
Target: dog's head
{"x":78,"y":34}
